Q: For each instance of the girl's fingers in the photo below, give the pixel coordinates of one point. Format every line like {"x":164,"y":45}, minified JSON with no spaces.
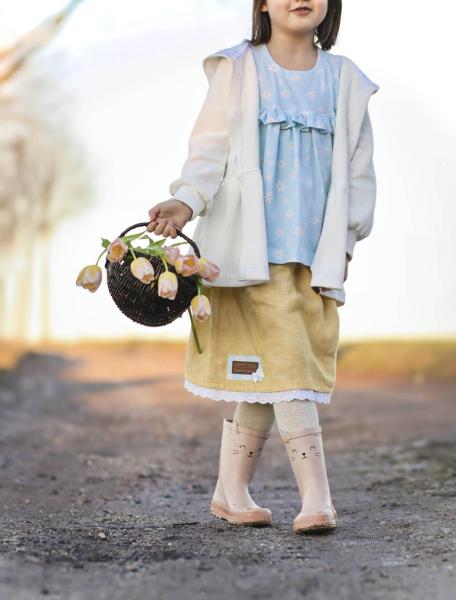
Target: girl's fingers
{"x":160,"y":227}
{"x":154,"y":212}
{"x":163,"y":228}
{"x":153,"y":218}
{"x":170,"y":229}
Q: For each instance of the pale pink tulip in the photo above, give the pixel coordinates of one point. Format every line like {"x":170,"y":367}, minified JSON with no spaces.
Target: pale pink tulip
{"x":142,"y":269}
{"x":117,"y":250}
{"x":90,"y":278}
{"x":201,"y":307}
{"x":167,"y":285}
{"x":207,"y":269}
{"x":171,"y":254}
{"x":186,"y":264}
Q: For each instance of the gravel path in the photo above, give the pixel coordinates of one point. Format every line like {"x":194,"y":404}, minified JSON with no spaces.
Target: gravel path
{"x":105,"y":483}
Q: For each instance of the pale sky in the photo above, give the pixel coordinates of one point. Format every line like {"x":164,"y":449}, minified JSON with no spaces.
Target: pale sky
{"x":133,"y":70}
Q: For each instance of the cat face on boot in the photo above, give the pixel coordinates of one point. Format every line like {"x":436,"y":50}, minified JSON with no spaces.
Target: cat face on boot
{"x":301,"y":455}
{"x":248,"y":453}
{"x":314,"y":451}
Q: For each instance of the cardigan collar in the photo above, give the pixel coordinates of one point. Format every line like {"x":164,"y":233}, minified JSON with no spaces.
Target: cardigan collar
{"x":235,"y":52}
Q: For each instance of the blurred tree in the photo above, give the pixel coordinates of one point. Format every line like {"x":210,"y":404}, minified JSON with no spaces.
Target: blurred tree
{"x":44,"y":177}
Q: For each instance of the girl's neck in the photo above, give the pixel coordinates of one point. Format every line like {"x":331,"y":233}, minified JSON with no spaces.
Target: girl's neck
{"x":296,"y":53}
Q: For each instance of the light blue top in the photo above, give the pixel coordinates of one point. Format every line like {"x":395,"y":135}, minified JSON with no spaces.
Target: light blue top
{"x":297,"y":120}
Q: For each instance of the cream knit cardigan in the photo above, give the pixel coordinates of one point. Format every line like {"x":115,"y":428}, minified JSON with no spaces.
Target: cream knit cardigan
{"x":222,"y":182}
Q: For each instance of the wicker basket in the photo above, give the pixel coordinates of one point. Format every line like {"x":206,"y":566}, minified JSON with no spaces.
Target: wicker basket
{"x":140,"y":302}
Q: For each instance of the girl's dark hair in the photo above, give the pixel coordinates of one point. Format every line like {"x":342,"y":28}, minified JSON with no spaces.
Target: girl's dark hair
{"x":326,"y":32}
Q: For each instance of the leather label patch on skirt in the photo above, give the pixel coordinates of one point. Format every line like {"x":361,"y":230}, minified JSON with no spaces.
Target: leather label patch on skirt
{"x":244,"y":366}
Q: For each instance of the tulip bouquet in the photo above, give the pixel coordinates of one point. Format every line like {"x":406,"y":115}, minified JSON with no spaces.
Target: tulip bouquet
{"x":186,"y":265}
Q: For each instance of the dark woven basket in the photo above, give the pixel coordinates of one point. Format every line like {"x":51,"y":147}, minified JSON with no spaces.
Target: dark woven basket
{"x":139,"y":301}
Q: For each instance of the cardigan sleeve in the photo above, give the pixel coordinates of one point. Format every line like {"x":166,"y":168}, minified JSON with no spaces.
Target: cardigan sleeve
{"x":208,"y":147}
{"x":361,"y":187}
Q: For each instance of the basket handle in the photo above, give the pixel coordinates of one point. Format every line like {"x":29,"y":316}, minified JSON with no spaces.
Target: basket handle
{"x":178,"y":231}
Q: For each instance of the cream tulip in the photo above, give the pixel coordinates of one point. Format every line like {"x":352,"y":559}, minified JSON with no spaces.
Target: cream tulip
{"x":207,"y":269}
{"x":142,"y":269}
{"x":172,"y":253}
{"x":117,"y":250}
{"x":90,"y":278}
{"x":167,"y":285}
{"x":186,"y":264}
{"x":201,"y":307}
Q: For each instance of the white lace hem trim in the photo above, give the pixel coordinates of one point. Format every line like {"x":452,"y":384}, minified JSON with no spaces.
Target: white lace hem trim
{"x":262,"y":397}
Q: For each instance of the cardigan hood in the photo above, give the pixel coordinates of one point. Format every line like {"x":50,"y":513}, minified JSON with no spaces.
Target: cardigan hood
{"x":222,"y":182}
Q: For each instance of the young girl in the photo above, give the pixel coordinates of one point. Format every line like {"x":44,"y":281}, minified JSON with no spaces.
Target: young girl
{"x":280,"y":169}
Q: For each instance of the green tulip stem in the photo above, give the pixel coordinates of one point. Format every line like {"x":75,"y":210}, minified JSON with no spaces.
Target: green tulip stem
{"x":195,"y":335}
{"x":165,"y":263}
{"x":178,"y":244}
{"x":105,"y":250}
{"x":134,"y":237}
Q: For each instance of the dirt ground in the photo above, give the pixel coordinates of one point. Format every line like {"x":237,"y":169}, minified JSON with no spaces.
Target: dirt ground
{"x":107,"y":467}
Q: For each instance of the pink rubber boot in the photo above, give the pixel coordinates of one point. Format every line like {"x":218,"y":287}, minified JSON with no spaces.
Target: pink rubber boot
{"x":305,"y":451}
{"x":240,"y":450}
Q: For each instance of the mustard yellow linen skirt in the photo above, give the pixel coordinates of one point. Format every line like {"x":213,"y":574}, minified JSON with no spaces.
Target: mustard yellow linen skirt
{"x":267,"y":342}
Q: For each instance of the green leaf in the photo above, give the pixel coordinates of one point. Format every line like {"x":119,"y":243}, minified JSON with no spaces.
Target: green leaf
{"x":104,"y":242}
{"x":157,"y":243}
{"x":127,"y":238}
{"x":152,"y":251}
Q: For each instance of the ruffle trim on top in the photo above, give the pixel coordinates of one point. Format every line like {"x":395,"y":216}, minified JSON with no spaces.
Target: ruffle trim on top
{"x":261,"y":397}
{"x":304,"y":120}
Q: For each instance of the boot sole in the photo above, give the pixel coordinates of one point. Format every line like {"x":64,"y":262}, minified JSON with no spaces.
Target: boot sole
{"x":253,"y":517}
{"x":314,"y":523}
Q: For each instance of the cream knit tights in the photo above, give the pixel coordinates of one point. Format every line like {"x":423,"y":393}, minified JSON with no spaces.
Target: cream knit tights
{"x":291,"y":415}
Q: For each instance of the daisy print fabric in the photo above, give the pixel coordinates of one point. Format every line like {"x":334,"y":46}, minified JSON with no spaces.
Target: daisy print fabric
{"x":297,"y":120}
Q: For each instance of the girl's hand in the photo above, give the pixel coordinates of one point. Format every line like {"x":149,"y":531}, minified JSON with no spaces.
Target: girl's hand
{"x":323,"y":289}
{"x":167,"y":215}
